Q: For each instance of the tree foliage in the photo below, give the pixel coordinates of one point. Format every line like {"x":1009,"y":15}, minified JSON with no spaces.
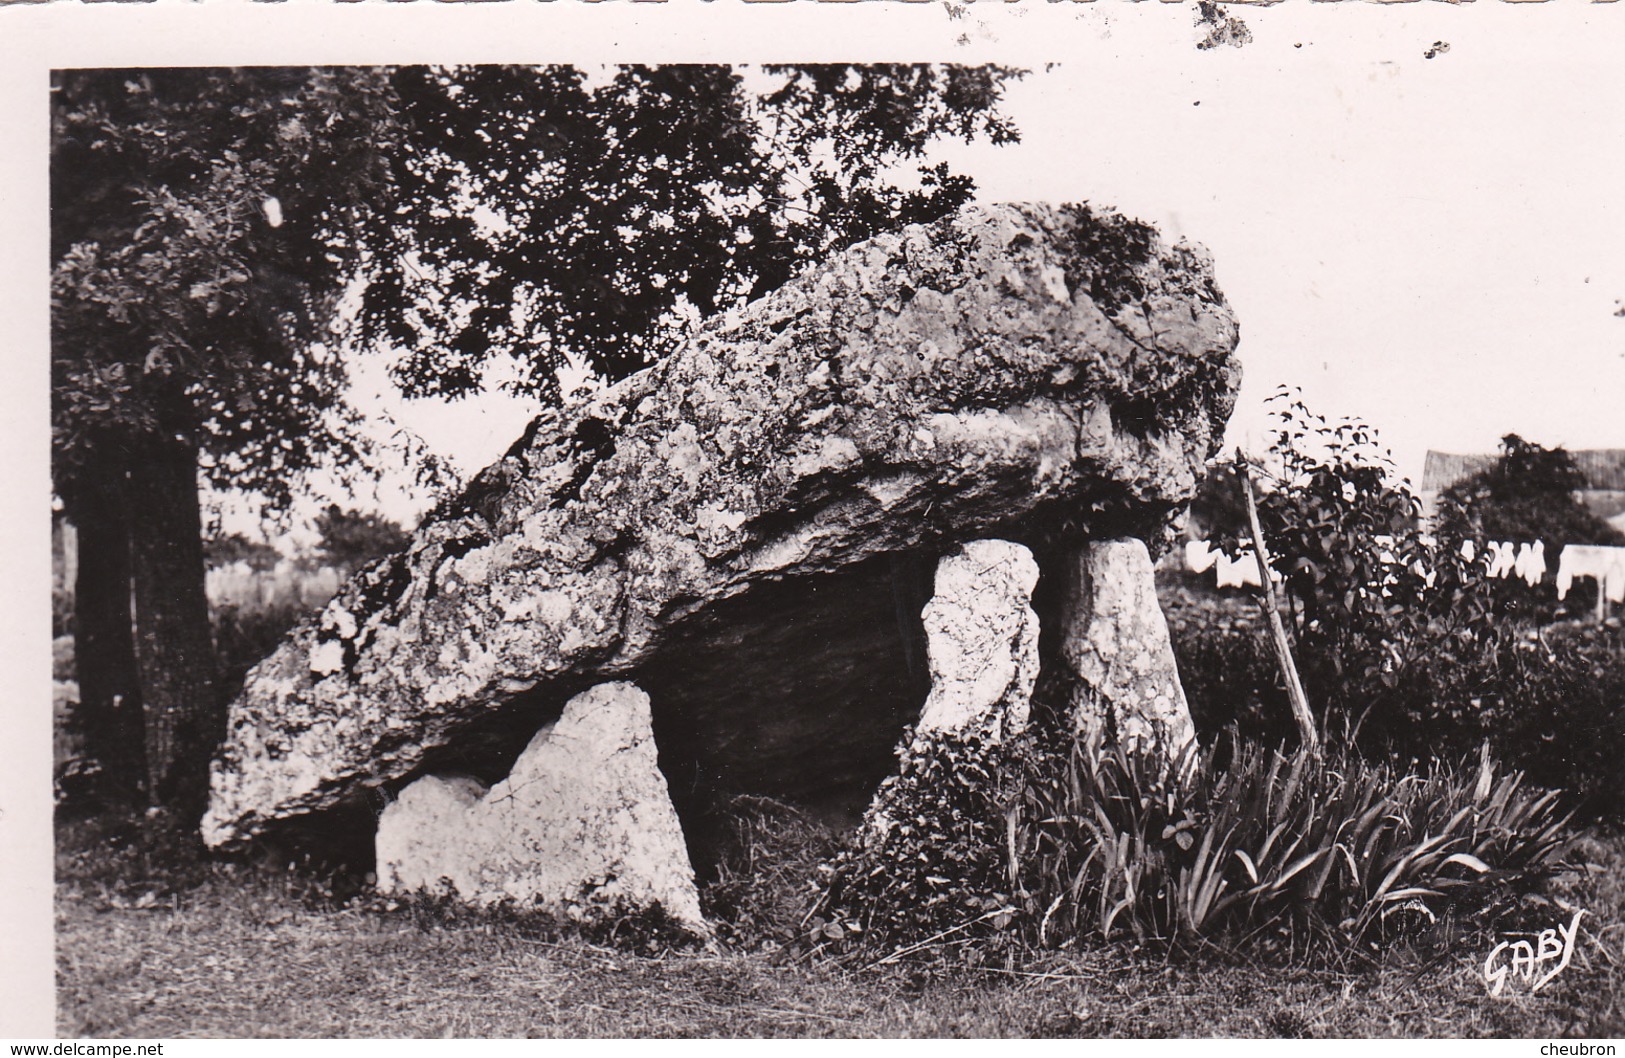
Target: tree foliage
{"x":209,"y":225}
{"x":350,"y":538}
{"x":548,"y":216}
{"x":1528,"y":494}
{"x":229,"y":548}
{"x":202,"y":232}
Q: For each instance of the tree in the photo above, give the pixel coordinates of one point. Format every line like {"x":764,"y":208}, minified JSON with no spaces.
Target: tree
{"x":545,"y":217}
{"x":1528,"y":494}
{"x":350,"y":539}
{"x":207,"y":223}
{"x":229,"y":548}
{"x":202,"y":231}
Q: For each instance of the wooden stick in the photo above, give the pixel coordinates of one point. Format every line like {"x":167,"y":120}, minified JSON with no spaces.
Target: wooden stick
{"x":1272,"y":613}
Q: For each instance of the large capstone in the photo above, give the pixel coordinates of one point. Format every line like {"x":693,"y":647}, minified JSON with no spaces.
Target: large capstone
{"x":746,"y":528}
{"x":583,"y":826}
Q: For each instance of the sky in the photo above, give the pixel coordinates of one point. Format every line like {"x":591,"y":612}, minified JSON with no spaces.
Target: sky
{"x":1431,"y":244}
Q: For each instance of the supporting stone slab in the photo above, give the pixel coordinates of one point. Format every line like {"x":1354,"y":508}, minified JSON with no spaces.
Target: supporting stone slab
{"x":936,"y":829}
{"x":1116,"y":675}
{"x":583,"y":825}
{"x":981,"y":641}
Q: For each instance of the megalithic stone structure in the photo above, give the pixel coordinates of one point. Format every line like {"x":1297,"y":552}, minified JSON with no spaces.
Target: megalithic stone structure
{"x":747,"y":529}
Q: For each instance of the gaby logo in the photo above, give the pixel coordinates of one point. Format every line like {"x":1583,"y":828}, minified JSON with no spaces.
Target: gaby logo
{"x":1528,"y":962}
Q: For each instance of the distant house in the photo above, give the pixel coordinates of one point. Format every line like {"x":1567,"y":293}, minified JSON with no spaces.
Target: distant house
{"x":1604,"y":470}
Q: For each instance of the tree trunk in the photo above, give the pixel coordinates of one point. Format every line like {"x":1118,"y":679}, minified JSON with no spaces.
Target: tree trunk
{"x":109,"y":710}
{"x":174,"y":642}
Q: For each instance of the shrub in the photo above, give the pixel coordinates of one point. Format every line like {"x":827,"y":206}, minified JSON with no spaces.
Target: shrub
{"x":1558,"y":711}
{"x":1251,"y":842}
{"x":1403,"y":644}
{"x":1370,"y":600}
{"x":1231,"y":679}
{"x":1550,"y":702}
{"x":932,"y":858}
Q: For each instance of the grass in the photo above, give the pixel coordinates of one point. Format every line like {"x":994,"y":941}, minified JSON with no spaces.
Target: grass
{"x":153,"y":942}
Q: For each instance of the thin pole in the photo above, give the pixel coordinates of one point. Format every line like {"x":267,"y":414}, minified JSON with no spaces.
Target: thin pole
{"x":1272,"y":614}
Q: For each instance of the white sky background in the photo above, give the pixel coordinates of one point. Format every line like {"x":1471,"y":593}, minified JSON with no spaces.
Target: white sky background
{"x":1434,"y":245}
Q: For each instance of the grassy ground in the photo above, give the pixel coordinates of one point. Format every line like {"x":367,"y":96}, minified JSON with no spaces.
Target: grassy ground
{"x":146,"y":948}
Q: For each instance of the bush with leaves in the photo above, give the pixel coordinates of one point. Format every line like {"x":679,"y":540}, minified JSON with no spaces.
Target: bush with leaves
{"x":1373,"y":602}
{"x":1403,"y":644}
{"x":1550,"y":701}
{"x":931,"y":864}
{"x":1554,"y":704}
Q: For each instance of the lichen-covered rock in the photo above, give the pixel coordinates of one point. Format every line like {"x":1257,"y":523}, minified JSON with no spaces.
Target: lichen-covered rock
{"x":1116,"y":677}
{"x":1030,"y":373}
{"x":583,"y":826}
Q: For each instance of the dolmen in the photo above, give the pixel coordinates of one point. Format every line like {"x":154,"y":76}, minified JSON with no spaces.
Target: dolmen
{"x":889,"y":499}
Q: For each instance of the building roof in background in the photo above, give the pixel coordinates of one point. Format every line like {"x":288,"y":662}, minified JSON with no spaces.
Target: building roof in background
{"x":1444,"y":469}
{"x":1604,"y":468}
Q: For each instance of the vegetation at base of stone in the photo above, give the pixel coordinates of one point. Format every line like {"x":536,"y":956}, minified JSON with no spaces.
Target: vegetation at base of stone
{"x":932,"y":856}
{"x":1278,"y":851}
{"x":768,"y":870}
{"x":638,"y":930}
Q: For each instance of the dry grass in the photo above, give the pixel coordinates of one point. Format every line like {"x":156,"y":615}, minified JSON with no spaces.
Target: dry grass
{"x":152,"y":946}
